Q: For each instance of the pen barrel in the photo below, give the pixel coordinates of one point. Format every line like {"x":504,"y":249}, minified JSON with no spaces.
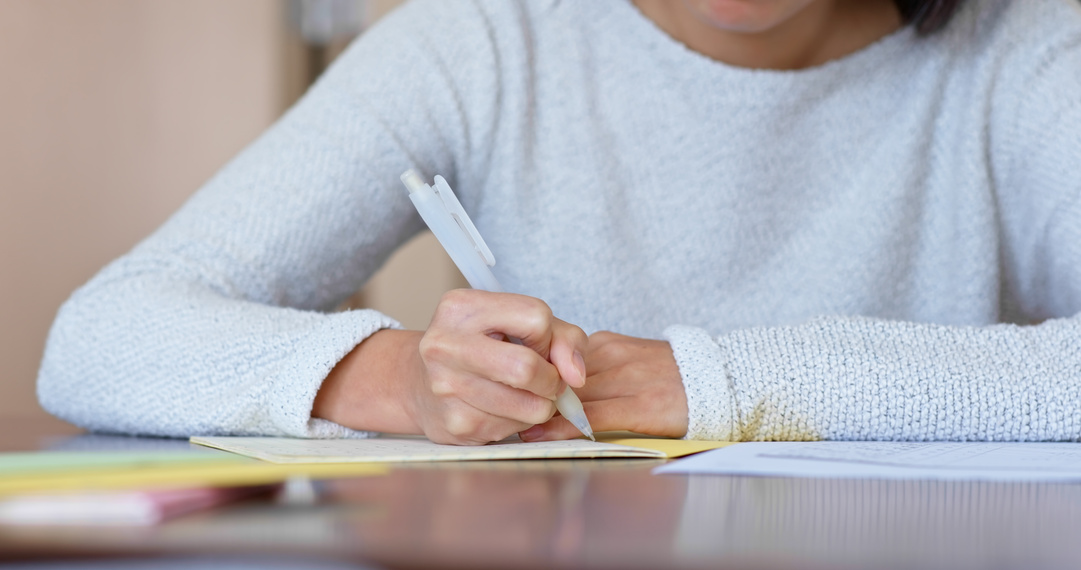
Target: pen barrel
{"x":454,"y":241}
{"x":482,"y":278}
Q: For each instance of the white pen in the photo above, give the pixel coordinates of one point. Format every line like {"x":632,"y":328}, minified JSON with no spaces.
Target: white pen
{"x":441,"y":210}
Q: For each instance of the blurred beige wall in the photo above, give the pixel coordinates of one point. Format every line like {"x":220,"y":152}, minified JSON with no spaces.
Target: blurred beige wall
{"x":112,"y":113}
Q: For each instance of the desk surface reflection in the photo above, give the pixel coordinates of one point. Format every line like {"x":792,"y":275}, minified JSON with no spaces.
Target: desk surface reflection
{"x":607,"y":514}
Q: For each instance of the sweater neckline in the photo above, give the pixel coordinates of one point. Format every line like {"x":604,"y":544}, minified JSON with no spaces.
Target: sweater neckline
{"x":854,"y":65}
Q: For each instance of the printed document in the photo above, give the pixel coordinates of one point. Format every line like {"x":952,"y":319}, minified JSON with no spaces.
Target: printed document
{"x":890,"y":460}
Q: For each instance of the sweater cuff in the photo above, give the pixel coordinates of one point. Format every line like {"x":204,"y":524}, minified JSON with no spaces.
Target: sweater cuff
{"x":711,"y":400}
{"x":313,"y":357}
{"x":326,"y":429}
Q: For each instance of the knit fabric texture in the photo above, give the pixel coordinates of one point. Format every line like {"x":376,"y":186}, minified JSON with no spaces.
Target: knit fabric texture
{"x":886,"y":246}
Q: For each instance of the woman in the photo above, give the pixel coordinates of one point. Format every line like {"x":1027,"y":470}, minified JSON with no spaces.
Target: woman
{"x":830,"y":210}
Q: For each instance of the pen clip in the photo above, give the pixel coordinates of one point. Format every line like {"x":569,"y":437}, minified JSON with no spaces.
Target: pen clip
{"x":454,"y":208}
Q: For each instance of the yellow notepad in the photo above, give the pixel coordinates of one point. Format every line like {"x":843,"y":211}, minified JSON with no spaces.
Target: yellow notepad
{"x":393,"y":449}
{"x":79,"y":471}
{"x":670,"y":447}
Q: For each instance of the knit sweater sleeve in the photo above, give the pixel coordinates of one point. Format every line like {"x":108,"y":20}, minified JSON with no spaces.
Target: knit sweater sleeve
{"x":221,"y":322}
{"x":855,"y":378}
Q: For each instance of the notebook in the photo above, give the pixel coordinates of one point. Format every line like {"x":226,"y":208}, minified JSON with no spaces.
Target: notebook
{"x":387,"y":449}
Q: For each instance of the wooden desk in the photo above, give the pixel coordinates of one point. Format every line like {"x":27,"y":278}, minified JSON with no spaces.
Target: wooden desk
{"x":603,"y":514}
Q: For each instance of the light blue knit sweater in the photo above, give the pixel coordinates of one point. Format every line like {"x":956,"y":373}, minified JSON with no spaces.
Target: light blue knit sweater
{"x":833,"y":252}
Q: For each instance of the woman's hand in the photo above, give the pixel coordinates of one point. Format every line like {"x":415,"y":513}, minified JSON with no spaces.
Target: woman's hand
{"x":460,"y":381}
{"x":633,"y":384}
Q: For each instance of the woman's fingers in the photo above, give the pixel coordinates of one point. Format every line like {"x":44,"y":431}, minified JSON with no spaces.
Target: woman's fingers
{"x":605,"y":415}
{"x":526,"y":318}
{"x":479,"y":388}
{"x":498,"y":400}
{"x":634,"y":385}
{"x":625,"y":413}
{"x":604,"y":386}
{"x":569,"y":344}
{"x":496,"y":315}
{"x":455,"y":357}
{"x":461,"y":424}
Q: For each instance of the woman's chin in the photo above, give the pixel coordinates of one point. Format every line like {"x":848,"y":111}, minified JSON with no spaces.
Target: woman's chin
{"x":744,"y":16}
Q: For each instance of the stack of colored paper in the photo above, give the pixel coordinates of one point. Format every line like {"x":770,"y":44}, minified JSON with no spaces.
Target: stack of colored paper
{"x":137,"y":488}
{"x":125,"y":508}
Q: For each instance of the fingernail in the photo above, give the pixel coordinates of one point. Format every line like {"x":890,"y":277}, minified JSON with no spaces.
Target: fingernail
{"x":580,"y":364}
{"x":535,"y":432}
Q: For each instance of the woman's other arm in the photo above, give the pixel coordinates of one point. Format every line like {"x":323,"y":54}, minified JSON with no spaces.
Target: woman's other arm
{"x":853,"y":378}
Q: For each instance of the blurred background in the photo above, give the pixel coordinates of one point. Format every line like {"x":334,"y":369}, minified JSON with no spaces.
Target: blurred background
{"x":113,"y":112}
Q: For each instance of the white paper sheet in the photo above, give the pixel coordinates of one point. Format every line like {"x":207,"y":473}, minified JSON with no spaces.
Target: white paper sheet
{"x":890,"y":460}
{"x":405,"y":449}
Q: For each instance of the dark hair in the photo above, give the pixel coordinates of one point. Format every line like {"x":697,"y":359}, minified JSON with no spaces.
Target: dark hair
{"x":927,"y":16}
